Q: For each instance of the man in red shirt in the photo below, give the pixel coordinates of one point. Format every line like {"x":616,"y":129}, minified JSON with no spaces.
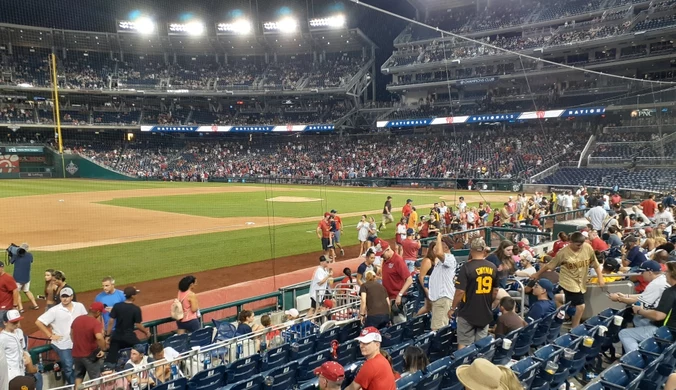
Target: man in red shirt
{"x":376,"y":373}
{"x":411,"y":247}
{"x":337,"y":229}
{"x":396,"y":276}
{"x":9,"y":293}
{"x":649,"y":206}
{"x":88,"y":343}
{"x":596,"y":242}
{"x":324,"y":234}
{"x":408,"y":208}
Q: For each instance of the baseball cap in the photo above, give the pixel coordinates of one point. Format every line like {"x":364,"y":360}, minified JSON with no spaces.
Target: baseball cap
{"x":611,"y":264}
{"x":332,"y":371}
{"x":410,"y":232}
{"x":384,"y":245}
{"x":648,"y":229}
{"x":650,"y":265}
{"x":130,"y":291}
{"x":12,"y":316}
{"x":292,"y":312}
{"x":409,"y":200}
{"x":24,"y":246}
{"x":630,"y":240}
{"x":328,"y":303}
{"x":67,"y":292}
{"x":478,"y":244}
{"x":108,"y":366}
{"x":369,"y":335}
{"x":322,"y":258}
{"x":140,"y":348}
{"x":23,"y":382}
{"x":333,"y":211}
{"x":97,"y":306}
{"x":327,"y":214}
{"x":547,"y":286}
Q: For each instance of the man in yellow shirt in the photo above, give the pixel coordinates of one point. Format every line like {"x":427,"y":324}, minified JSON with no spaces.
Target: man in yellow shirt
{"x":412,"y":220}
{"x":575,"y":261}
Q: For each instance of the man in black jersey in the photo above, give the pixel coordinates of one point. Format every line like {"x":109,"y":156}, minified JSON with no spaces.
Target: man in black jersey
{"x":387,"y":214}
{"x":476,"y":287}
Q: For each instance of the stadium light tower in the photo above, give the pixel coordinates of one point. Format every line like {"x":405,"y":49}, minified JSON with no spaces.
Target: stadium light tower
{"x":239,"y":27}
{"x":336,"y":21}
{"x":141,"y":25}
{"x":192,"y":28}
{"x":285,"y":25}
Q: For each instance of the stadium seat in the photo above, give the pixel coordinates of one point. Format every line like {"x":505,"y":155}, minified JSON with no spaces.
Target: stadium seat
{"x":664,"y":334}
{"x":524,"y":339}
{"x":424,"y":342}
{"x":212,"y":378}
{"x":392,"y":335}
{"x":303,"y":347}
{"x":311,"y":384}
{"x":487,"y":346}
{"x":243,"y":368}
{"x":525,"y":370}
{"x":276,"y":357}
{"x":252,"y":383}
{"x":307,"y":365}
{"x":437,"y":364}
{"x":542,"y":330}
{"x":543,"y":379}
{"x":621,"y":377}
{"x":284,"y":377}
{"x":349,"y":331}
{"x":504,"y":355}
{"x":458,"y":358}
{"x":347,"y":352}
{"x":640,"y":361}
{"x":409,"y":382}
{"x":201,"y":337}
{"x":176,"y":384}
{"x":441,"y":343}
{"x":397,"y":354}
{"x":224,"y":330}
{"x":431,"y":380}
{"x":179,"y":342}
{"x":415,"y":327}
{"x":351,"y":372}
{"x":324,"y":339}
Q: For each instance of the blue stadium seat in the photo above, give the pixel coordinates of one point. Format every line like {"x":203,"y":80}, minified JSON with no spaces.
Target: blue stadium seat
{"x":397,"y":354}
{"x":503,"y":356}
{"x":392,"y":335}
{"x":303,"y":347}
{"x":215,"y":377}
{"x":640,"y":361}
{"x":243,"y":368}
{"x":424,"y":342}
{"x":179,"y":342}
{"x":437,"y":364}
{"x":347,"y":352}
{"x":524,"y":339}
{"x":487,"y":346}
{"x":284,"y":377}
{"x":441,"y":343}
{"x":651,"y":346}
{"x":548,"y":353}
{"x":176,"y":384}
{"x":525,"y":370}
{"x":409,"y":382}
{"x":349,"y":331}
{"x":663,"y":333}
{"x":307,"y":365}
{"x":201,"y":337}
{"x":458,"y":358}
{"x":431,"y":380}
{"x":621,"y":377}
{"x":325,"y":338}
{"x":542,"y":330}
{"x":253,"y":383}
{"x":415,"y":327}
{"x":311,"y":384}
{"x":543,"y":379}
{"x":276,"y":357}
{"x":351,"y":371}
{"x":555,"y":326}
{"x":224,"y":330}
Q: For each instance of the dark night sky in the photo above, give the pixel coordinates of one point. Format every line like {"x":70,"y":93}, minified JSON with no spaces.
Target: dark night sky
{"x":100,"y":15}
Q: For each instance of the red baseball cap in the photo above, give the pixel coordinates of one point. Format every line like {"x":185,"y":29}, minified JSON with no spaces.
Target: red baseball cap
{"x":97,"y":306}
{"x":328,"y":303}
{"x":327,"y":215}
{"x":332,"y":371}
{"x":384,"y":245}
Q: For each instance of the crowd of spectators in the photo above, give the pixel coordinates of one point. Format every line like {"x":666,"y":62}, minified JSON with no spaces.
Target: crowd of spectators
{"x":490,"y":154}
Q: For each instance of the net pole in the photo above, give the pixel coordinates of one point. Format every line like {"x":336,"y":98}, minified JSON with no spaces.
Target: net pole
{"x":57,"y":113}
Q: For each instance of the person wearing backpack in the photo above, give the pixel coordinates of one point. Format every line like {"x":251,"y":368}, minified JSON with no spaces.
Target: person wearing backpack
{"x":185,"y":308}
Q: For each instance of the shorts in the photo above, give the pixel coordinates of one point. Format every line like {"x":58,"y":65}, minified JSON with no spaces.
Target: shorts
{"x":84,"y":365}
{"x":336,"y":237}
{"x":440,"y":309}
{"x":189,"y":326}
{"x":23,"y":287}
{"x":388,"y":218}
{"x":326,"y":243}
{"x":372,"y":238}
{"x":467,"y":333}
{"x":575,"y":298}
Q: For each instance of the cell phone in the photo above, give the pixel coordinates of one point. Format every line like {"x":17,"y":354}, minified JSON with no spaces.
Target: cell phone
{"x":41,"y":297}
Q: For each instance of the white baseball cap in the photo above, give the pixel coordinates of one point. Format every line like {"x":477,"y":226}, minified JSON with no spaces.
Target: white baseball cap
{"x":292,"y":313}
{"x":67,"y":291}
{"x":12,"y":316}
{"x":369,"y":335}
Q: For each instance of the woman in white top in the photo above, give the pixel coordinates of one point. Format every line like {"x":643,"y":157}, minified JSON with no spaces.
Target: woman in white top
{"x":363,"y":234}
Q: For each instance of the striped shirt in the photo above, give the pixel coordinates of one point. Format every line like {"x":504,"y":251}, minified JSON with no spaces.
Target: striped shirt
{"x":442,"y":280}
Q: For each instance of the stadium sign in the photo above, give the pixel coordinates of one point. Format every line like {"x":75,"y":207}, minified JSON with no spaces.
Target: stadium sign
{"x":23,"y":149}
{"x":480,"y":80}
{"x":239,"y":129}
{"x":516,"y":116}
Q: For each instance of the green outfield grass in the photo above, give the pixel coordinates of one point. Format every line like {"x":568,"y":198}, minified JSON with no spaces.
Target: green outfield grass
{"x":254,"y":204}
{"x":159,"y":258}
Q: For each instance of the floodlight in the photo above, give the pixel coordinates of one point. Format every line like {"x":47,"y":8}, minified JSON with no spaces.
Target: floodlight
{"x":241,"y":27}
{"x":144,"y":25}
{"x":336,"y":21}
{"x":194,"y":28}
{"x":287,"y":25}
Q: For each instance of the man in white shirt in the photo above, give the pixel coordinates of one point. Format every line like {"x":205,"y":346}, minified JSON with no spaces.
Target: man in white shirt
{"x":319,"y":284}
{"x":596,"y":215}
{"x":55,"y":324}
{"x":666,"y":217}
{"x":4,"y":370}
{"x":462,"y":206}
{"x":138,"y":361}
{"x":442,"y":284}
{"x":568,"y":201}
{"x":12,"y":344}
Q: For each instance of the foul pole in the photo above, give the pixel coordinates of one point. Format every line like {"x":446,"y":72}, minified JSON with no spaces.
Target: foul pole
{"x":57,"y":113}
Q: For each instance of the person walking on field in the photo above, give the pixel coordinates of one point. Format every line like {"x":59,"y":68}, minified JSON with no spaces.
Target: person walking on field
{"x":387,"y":214}
{"x":575,"y":260}
{"x":324,"y":234}
{"x":476,"y":288}
{"x":337,"y":229}
{"x":23,"y":260}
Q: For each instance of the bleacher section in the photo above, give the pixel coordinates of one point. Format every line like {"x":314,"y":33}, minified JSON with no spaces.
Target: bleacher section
{"x":654,"y":179}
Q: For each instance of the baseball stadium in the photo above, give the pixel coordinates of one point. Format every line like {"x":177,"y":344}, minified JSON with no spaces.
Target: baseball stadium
{"x":320,"y":194}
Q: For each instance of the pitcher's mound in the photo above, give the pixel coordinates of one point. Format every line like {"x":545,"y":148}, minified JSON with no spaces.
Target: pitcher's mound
{"x":292,"y":199}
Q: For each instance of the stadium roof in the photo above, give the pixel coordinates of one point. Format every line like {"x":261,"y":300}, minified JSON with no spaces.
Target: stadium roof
{"x":305,"y":42}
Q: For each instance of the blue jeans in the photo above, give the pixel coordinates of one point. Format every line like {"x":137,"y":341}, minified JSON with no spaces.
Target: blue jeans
{"x":66,"y":358}
{"x":38,"y":380}
{"x":632,"y":337}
